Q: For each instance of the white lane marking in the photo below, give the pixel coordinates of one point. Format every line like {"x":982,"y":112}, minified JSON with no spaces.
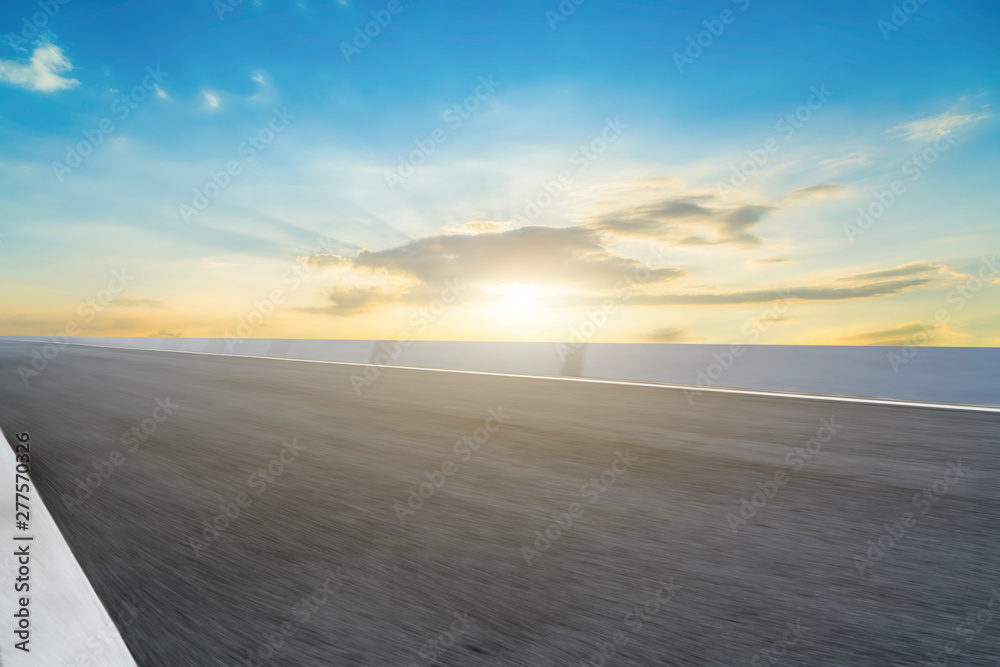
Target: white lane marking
{"x":68,"y":623}
{"x":628,"y":383}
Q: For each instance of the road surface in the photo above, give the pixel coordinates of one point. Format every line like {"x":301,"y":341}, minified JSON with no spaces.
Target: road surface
{"x":560,"y":518}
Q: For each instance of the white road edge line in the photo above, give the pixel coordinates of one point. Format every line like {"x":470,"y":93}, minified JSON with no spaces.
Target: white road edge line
{"x":628,"y":383}
{"x":68,"y":622}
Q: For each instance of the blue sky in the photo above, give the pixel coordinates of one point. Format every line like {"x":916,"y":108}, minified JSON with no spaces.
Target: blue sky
{"x":898,"y":82}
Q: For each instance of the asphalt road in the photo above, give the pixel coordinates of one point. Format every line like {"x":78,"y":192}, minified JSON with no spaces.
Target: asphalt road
{"x":324,"y":524}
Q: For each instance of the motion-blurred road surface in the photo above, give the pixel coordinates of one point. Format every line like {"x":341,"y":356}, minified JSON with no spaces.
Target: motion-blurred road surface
{"x":264,"y":511}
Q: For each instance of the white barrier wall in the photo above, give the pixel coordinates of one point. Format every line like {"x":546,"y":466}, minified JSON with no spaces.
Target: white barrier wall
{"x":66,"y":622}
{"x":938,"y":374}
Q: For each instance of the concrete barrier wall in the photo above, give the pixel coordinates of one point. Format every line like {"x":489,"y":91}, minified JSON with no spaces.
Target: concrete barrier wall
{"x":939,"y":374}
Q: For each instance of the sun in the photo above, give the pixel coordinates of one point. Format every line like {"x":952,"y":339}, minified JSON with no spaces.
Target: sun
{"x":518,"y":300}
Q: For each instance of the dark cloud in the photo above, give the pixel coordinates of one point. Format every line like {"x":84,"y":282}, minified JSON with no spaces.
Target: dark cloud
{"x":670,"y":218}
{"x":353,"y":301}
{"x":901,"y":335}
{"x":808,"y":293}
{"x":822,"y":190}
{"x":914,"y":268}
{"x":669,"y":335}
{"x":569,"y":256}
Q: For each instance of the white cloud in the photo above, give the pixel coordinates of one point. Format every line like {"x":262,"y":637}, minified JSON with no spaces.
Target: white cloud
{"x":852,"y":158}
{"x":936,"y":126}
{"x":42,"y":71}
{"x":211,"y":101}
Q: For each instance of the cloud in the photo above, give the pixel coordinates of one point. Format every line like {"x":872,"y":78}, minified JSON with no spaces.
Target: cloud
{"x":163,"y":333}
{"x":851,"y":158}
{"x":933,"y":127}
{"x":805,"y":293}
{"x":481,"y":227}
{"x":353,"y":301}
{"x":913,"y":268}
{"x":136,"y":301}
{"x":771,"y":260}
{"x":42,"y":72}
{"x":822,"y":191}
{"x":555,"y":259}
{"x":902,"y":335}
{"x":325,"y":261}
{"x":566,"y":256}
{"x":669,"y":335}
{"x":577,"y":264}
{"x":676,"y":218}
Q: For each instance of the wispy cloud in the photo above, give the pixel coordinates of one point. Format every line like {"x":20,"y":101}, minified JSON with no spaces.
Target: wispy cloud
{"x":347,"y":301}
{"x":693,"y":220}
{"x":163,"y":333}
{"x":669,"y":335}
{"x":821,"y":191}
{"x":803,"y":293}
{"x":911,"y":269}
{"x":933,"y":127}
{"x":43,"y":71}
{"x":900,"y":335}
{"x":844,"y":160}
{"x":136,"y":302}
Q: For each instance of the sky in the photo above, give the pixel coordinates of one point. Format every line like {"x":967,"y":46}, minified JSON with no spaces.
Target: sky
{"x":730,"y":172}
